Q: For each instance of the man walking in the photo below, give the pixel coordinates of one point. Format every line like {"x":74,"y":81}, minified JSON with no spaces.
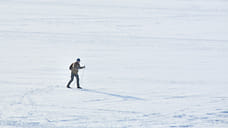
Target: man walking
{"x":74,"y":67}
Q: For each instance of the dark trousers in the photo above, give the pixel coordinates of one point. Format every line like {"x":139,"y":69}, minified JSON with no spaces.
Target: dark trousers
{"x":72,"y":78}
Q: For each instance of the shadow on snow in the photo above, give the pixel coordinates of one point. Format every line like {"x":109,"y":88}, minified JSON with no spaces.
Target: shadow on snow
{"x":112,"y":94}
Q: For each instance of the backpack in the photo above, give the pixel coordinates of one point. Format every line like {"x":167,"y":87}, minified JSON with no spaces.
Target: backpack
{"x":71,"y":66}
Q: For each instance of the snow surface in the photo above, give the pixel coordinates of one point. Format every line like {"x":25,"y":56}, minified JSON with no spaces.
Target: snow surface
{"x":149,"y":63}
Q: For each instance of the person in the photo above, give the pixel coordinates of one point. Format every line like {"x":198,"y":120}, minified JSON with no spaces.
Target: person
{"x":74,"y":67}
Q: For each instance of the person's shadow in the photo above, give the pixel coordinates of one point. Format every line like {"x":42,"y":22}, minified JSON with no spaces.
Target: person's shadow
{"x":114,"y":95}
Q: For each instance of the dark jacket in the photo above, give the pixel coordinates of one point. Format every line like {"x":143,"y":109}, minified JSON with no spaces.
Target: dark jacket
{"x":74,"y":67}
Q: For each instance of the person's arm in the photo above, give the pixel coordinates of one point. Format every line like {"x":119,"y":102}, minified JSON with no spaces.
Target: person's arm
{"x":81,"y":67}
{"x":78,"y":66}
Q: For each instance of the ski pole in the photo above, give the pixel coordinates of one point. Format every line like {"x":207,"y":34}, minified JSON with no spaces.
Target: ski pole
{"x":82,"y":75}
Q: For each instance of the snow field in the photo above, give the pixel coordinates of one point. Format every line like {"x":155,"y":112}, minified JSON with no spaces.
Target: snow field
{"x":149,"y":64}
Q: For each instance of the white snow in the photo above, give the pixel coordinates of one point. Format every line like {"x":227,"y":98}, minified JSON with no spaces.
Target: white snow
{"x":149,"y":63}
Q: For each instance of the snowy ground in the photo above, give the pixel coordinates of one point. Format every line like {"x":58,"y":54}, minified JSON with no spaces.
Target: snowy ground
{"x":149,"y":63}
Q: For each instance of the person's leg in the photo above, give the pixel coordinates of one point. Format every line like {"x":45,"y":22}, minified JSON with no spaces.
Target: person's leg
{"x":77,"y":77}
{"x":72,"y":78}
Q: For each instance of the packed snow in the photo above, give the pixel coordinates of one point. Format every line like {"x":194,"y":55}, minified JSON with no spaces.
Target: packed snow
{"x":149,"y":63}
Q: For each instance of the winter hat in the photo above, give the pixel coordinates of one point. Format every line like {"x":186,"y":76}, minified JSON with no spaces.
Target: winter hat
{"x":78,"y":59}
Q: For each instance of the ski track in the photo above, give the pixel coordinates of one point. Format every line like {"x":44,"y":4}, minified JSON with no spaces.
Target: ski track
{"x":128,"y":118}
